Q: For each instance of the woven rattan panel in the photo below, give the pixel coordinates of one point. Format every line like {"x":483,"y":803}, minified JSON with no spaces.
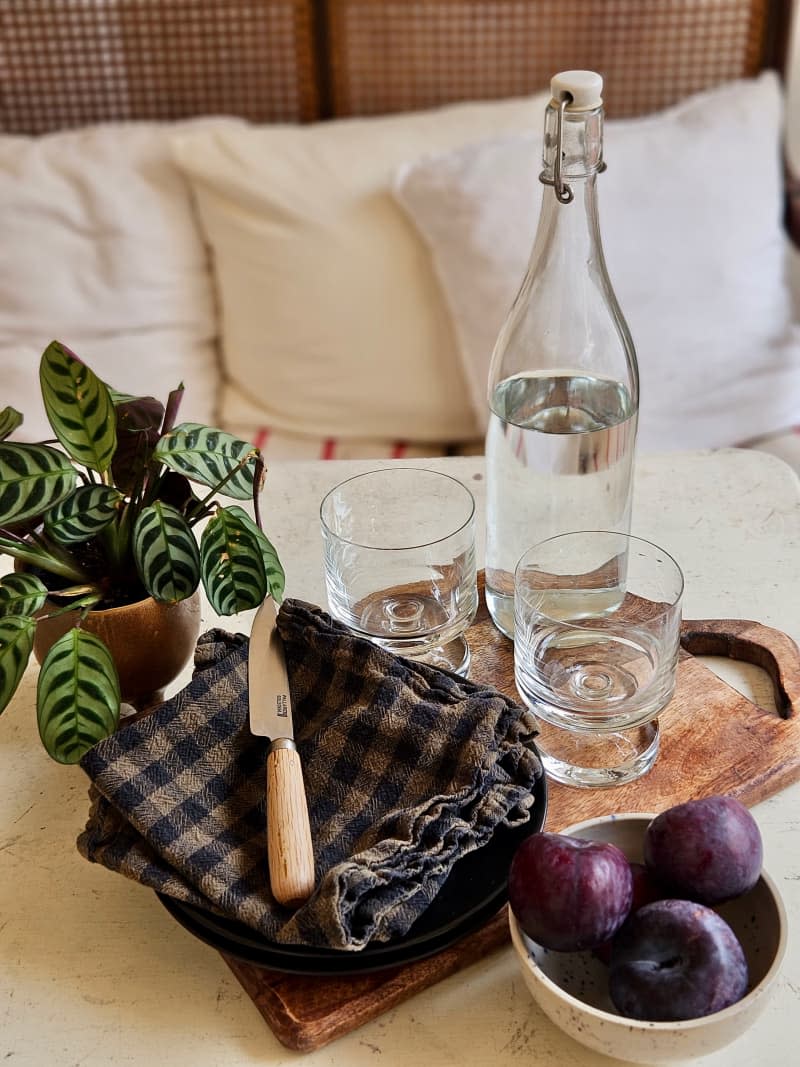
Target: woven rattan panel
{"x":396,"y":55}
{"x":69,"y":62}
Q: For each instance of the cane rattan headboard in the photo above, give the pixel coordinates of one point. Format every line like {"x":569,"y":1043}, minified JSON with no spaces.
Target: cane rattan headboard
{"x":71,"y":62}
{"x":66,"y":63}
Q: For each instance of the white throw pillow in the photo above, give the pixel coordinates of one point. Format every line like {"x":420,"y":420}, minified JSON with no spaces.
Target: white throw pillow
{"x":333,"y":322}
{"x":277,"y":444}
{"x":100,"y":249}
{"x":690,"y":210}
{"x":794,"y":280}
{"x":785,"y":446}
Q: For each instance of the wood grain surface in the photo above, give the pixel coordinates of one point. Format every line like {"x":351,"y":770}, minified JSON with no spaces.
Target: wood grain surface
{"x":713,"y":740}
{"x":306,"y":1013}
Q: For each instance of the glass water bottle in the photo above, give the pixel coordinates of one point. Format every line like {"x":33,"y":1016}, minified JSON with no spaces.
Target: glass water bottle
{"x":563,"y":382}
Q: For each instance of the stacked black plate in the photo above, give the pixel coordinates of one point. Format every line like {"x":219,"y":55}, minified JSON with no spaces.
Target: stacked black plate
{"x":475,"y":890}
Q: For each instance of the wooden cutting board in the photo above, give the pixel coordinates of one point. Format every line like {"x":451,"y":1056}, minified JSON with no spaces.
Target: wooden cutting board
{"x":713,"y":740}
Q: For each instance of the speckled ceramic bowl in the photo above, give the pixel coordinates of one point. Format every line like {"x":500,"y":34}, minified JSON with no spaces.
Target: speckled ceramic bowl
{"x":572,"y":987}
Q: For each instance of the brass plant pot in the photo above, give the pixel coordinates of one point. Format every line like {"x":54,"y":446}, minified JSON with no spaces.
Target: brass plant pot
{"x":150,"y":642}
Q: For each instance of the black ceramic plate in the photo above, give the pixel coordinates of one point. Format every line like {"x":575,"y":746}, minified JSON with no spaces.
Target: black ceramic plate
{"x":476,"y":889}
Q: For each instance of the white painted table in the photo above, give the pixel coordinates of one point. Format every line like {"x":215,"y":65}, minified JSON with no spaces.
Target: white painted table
{"x":93,"y":971}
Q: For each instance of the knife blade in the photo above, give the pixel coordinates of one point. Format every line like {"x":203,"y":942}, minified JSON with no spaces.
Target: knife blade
{"x":289,"y":847}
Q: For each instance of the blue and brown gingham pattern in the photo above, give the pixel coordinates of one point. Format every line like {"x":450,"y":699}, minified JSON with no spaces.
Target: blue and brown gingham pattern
{"x":407,"y":768}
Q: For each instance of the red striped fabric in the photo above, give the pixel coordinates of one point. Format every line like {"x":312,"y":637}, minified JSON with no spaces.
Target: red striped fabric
{"x":279,"y":444}
{"x":261,"y":437}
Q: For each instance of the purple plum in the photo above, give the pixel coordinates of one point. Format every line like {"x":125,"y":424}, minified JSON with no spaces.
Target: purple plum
{"x":676,"y":960}
{"x":644,"y":892}
{"x":569,"y":894}
{"x":706,"y":850}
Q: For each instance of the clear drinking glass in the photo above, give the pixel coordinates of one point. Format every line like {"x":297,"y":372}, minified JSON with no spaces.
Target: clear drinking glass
{"x":400,"y":562}
{"x":596,"y":641}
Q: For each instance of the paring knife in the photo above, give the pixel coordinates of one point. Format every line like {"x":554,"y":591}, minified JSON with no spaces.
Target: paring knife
{"x":289,"y":847}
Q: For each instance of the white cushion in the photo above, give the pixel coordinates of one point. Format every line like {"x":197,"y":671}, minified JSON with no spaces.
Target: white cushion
{"x":276,"y":444}
{"x":785,"y":446}
{"x":690,"y":211}
{"x":333,"y":323}
{"x":100,"y":249}
{"x":794,"y":280}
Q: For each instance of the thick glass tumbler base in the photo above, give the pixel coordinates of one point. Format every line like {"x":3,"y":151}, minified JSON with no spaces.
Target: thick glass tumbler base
{"x":597,"y":759}
{"x":455,"y":656}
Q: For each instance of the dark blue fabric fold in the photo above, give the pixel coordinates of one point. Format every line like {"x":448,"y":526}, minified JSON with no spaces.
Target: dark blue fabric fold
{"x":407,"y":768}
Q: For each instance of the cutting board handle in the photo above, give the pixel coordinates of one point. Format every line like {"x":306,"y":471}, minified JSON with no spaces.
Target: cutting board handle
{"x":748,"y":641}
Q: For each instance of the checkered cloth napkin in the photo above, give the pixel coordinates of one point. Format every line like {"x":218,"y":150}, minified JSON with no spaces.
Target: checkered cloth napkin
{"x":406,"y":767}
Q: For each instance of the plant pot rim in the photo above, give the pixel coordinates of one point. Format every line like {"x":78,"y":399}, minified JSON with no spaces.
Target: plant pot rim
{"x":166,"y":604}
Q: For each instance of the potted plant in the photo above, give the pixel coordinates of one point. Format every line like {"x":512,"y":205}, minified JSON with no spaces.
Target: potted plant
{"x":106,"y":515}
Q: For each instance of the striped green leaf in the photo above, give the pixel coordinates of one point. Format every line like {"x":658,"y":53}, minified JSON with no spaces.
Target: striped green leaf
{"x":34,"y":555}
{"x":21,"y":594}
{"x":78,"y":696}
{"x":16,"y":642}
{"x":10,"y":419}
{"x":232,"y":565}
{"x":32,"y":479}
{"x":208,"y":456}
{"x":119,"y":398}
{"x":79,"y":407}
{"x":83,"y":513}
{"x":276,"y":579}
{"x":166,"y":553}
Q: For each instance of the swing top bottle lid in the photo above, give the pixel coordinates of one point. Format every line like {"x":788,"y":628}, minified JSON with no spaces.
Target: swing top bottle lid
{"x":584,"y":86}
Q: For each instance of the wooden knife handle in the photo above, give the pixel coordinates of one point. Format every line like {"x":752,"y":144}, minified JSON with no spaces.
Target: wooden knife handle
{"x":289,"y":847}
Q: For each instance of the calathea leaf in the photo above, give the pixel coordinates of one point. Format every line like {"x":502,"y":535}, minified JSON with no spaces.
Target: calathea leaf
{"x":175,"y":489}
{"x":35,"y":555}
{"x":10,"y":419}
{"x":173,"y":407}
{"x":232,"y":566}
{"x":83,"y":513}
{"x":32,"y":479}
{"x":166,"y":553}
{"x":209,"y":456}
{"x":16,"y":642}
{"x":138,"y":424}
{"x":21,"y":594}
{"x":276,"y":579}
{"x":78,"y":696}
{"x":79,"y":407}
